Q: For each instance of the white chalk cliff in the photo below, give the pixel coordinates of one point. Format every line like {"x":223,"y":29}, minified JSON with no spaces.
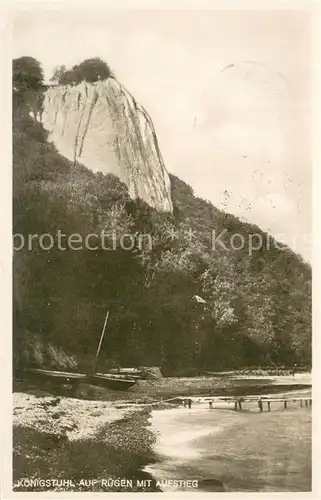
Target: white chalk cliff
{"x":104,"y":128}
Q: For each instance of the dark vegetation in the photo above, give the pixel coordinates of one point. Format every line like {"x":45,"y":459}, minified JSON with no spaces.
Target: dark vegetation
{"x":258,"y":310}
{"x":90,"y":70}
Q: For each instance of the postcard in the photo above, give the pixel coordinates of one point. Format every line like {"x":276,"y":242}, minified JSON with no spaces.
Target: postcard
{"x":162,"y":248}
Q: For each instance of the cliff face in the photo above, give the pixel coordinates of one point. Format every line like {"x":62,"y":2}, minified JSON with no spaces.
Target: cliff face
{"x":102,"y":126}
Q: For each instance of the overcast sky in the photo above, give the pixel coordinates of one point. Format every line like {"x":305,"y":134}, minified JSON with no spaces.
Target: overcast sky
{"x":228,"y":93}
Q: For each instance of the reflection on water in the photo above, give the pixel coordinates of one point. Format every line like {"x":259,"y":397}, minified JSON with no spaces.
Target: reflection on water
{"x":245,"y":451}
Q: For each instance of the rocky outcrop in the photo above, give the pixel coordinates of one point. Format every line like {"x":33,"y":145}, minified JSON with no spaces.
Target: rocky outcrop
{"x":103,"y":127}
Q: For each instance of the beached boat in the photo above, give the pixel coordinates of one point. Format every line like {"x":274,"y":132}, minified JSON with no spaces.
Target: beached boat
{"x":115,"y":381}
{"x":112,"y":381}
{"x":37,"y":373}
{"x":135,"y":373}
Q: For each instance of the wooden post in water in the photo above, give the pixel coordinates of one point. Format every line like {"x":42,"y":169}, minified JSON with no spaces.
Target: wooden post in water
{"x":310,"y":402}
{"x":235,"y":406}
{"x":240,"y":404}
{"x":301,"y":403}
{"x":306,"y":402}
{"x":285,"y":404}
{"x":269,"y":405}
{"x":260,"y":404}
{"x":100,"y":342}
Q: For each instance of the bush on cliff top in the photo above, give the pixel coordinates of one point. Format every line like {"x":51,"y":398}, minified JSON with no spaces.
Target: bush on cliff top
{"x":90,"y":70}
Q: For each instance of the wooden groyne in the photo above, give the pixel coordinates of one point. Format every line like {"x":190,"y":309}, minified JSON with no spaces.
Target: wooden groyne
{"x":239,"y":402}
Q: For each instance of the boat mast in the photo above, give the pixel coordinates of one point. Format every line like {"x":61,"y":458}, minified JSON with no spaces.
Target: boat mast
{"x":100,"y":342}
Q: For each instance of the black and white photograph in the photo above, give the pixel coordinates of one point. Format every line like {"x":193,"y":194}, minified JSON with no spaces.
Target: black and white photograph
{"x":162,"y":248}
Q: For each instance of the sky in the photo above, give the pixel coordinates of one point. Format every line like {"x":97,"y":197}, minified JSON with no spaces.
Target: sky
{"x":228,"y":92}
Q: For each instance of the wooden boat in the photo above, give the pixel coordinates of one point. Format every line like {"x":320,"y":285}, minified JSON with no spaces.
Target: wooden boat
{"x":63,"y":377}
{"x":133,"y":373}
{"x":112,"y":381}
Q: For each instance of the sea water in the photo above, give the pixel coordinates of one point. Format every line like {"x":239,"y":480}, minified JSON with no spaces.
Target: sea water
{"x":227,"y":450}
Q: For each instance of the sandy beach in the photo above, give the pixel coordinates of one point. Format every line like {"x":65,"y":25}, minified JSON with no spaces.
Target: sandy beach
{"x":79,"y":445}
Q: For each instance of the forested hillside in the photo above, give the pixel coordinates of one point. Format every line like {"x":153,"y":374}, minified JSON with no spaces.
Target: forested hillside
{"x":258,"y":306}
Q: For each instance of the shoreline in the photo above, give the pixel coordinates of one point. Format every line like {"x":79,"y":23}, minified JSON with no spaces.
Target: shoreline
{"x":103,"y":440}
{"x":204,"y":444}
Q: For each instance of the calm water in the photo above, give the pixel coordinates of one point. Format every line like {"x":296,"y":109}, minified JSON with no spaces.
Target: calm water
{"x":247,"y":451}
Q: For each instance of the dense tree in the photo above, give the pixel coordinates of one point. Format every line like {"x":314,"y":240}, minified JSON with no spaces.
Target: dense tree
{"x":27,"y":73}
{"x":69,"y":77}
{"x":93,"y":70}
{"x":90,"y":70}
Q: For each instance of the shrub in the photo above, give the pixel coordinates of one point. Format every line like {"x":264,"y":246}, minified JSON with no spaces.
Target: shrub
{"x":90,"y":70}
